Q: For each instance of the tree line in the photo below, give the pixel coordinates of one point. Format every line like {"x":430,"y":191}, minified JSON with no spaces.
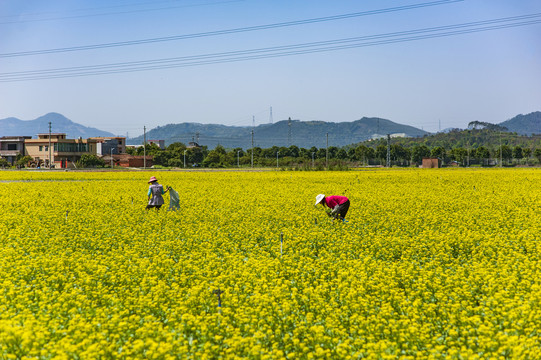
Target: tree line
{"x":364,"y":154}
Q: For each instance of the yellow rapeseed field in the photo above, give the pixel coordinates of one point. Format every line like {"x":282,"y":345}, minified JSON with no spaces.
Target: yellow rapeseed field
{"x":433,"y":264}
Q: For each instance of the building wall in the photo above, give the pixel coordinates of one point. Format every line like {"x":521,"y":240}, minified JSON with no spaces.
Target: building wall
{"x":431,"y":163}
{"x":11,"y":147}
{"x":64,"y":152}
{"x":160,"y":143}
{"x":118,"y":141}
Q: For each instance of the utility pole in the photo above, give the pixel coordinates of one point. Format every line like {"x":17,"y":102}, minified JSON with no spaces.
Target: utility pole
{"x":313,"y":159}
{"x":501,"y":157}
{"x":185,"y":158}
{"x":277,"y":159}
{"x":289,"y":132}
{"x":50,"y":163}
{"x":112,"y":164}
{"x":388,"y":150}
{"x":327,"y":154}
{"x":468,"y":164}
{"x":144,"y":147}
{"x":252,"y":148}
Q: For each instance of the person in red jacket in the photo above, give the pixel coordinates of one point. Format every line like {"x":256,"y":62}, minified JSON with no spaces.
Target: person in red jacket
{"x":338,"y":204}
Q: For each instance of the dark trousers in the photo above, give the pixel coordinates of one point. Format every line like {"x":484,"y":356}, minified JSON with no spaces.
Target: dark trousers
{"x":341,"y":210}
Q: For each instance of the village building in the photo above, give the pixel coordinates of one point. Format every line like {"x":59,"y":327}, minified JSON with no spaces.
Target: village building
{"x":110,"y":145}
{"x":431,"y":163}
{"x":127,"y":160}
{"x":11,"y":147}
{"x":193,"y":145}
{"x":62,"y":153}
{"x":159,"y":143}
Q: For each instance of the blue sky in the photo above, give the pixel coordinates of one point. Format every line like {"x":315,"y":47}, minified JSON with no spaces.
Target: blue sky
{"x":432,"y":83}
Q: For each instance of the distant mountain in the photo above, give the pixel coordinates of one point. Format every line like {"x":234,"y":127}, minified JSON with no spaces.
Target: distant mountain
{"x":283,"y":133}
{"x":59,"y":124}
{"x":524,"y":124}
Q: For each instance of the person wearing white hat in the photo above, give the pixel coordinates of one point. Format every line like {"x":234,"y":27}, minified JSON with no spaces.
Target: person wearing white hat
{"x":155,"y":192}
{"x":338,"y":204}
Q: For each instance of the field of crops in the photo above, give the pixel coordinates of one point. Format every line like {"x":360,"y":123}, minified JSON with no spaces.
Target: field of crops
{"x":433,"y":264}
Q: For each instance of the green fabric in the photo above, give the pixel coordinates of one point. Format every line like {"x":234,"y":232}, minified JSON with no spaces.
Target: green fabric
{"x":174,"y":200}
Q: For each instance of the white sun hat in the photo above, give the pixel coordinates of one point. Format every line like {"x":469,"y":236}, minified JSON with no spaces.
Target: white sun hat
{"x":319,"y":198}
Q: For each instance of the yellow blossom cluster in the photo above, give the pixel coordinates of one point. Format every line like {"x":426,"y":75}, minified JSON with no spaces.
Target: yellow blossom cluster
{"x":433,"y":264}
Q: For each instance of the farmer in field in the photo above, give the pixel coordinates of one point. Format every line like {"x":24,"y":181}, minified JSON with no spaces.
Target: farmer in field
{"x":155,"y":192}
{"x":339,"y":205}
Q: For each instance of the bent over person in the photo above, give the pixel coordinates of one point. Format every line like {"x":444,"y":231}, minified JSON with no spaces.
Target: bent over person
{"x":155,"y":192}
{"x":338,"y":204}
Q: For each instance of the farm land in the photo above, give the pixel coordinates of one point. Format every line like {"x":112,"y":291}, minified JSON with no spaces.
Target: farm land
{"x":433,"y":264}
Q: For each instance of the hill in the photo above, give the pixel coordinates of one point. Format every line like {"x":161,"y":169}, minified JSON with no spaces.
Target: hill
{"x":59,"y":123}
{"x":524,"y":124}
{"x":282,"y":133}
{"x":468,"y":139}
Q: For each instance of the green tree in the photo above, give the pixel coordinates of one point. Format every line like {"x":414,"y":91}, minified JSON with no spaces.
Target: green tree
{"x":23,"y":161}
{"x":381,"y":152}
{"x":342,"y":154}
{"x":332,"y":152}
{"x":294,"y":151}
{"x":88,"y":160}
{"x":321,"y":153}
{"x":305,"y":153}
{"x":506,"y":152}
{"x":537,"y":154}
{"x":459,"y":154}
{"x":176,"y":147}
{"x":438,"y":152}
{"x":235,"y":155}
{"x":518,"y":153}
{"x":216,"y":157}
{"x":283,"y":151}
{"x":151,"y":150}
{"x":482,"y":153}
{"x":361,"y":153}
{"x":352,"y":155}
{"x":419,"y":152}
{"x":400,"y":153}
{"x":196,"y":155}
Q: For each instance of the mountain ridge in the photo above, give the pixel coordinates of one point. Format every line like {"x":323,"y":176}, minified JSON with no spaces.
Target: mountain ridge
{"x":12,"y":126}
{"x":528,"y":124}
{"x":282,"y":133}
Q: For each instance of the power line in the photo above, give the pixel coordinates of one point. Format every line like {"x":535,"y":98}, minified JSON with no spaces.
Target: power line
{"x":133,"y":4}
{"x":111,"y":13}
{"x":227,"y":31}
{"x":271,"y":52}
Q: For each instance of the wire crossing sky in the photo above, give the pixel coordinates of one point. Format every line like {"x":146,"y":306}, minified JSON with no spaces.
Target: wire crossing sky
{"x":228,"y":31}
{"x":121,"y":65}
{"x":297,"y":49}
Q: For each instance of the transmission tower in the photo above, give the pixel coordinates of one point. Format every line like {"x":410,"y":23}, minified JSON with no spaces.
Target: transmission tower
{"x":270,"y":116}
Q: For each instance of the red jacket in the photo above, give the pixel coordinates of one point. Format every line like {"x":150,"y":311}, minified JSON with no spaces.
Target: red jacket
{"x":332,"y":201}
